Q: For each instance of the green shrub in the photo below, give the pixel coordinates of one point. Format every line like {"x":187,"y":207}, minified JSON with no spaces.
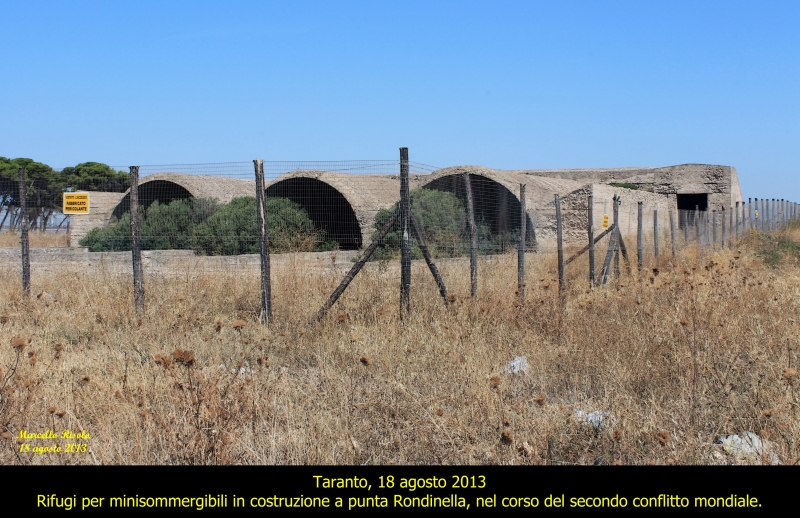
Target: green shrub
{"x":212,"y":229}
{"x":443,"y":218}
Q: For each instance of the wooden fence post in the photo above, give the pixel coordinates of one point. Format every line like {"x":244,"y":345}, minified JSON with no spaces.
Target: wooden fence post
{"x":617,"y":202}
{"x":655,"y":234}
{"x":416,"y":227}
{"x":405,"y":235}
{"x":591,"y":241}
{"x":560,"y":243}
{"x":523,"y":223}
{"x":263,"y":236}
{"x":714,"y":228}
{"x":639,"y":248}
{"x":672,"y":232}
{"x":473,"y":238}
{"x":26,"y":249}
{"x":697,"y":222}
{"x":358,"y":266}
{"x":136,"y":249}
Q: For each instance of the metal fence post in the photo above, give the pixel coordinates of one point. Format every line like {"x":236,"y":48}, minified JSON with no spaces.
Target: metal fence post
{"x":560,"y":243}
{"x":473,"y":238}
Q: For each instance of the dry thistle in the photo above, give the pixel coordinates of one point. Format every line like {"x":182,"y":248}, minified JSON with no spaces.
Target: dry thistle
{"x":440,"y":412}
{"x":183,"y":357}
{"x":768,"y":412}
{"x":163,"y":360}
{"x":181,"y":298}
{"x":540,"y":400}
{"x":218,"y":326}
{"x":365,"y":360}
{"x":85,"y":380}
{"x":617,"y":435}
{"x":789,"y":374}
{"x":495,"y":380}
{"x":341,"y":317}
{"x":58,"y":348}
{"x":98,"y":318}
{"x":663,"y":437}
{"x":61,"y":413}
{"x":6,"y":435}
{"x":226,"y":438}
{"x":33,"y":361}
{"x":451,"y":298}
{"x":52,"y":409}
{"x":245,"y":341}
{"x":507,"y":437}
{"x":18,"y":342}
{"x":239,"y":324}
{"x":4,"y":319}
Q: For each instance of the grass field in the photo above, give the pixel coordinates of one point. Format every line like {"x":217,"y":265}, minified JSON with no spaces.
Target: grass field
{"x":702,"y":347}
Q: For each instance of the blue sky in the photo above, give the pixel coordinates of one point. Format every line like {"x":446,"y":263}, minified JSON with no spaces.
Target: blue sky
{"x":501,"y":84}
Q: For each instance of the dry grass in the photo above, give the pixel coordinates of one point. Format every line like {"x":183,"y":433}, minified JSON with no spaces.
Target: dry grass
{"x":705,"y":347}
{"x":36,"y":239}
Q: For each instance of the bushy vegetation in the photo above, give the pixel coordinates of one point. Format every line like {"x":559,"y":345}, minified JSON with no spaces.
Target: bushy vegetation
{"x":444,"y":220}
{"x":212,"y":229}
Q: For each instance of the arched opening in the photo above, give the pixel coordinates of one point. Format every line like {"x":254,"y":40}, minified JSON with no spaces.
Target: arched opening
{"x":497,"y":210}
{"x":158,"y":190}
{"x":326,"y":206}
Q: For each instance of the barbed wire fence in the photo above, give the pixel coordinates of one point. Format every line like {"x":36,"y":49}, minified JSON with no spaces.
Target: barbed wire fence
{"x":239,"y":214}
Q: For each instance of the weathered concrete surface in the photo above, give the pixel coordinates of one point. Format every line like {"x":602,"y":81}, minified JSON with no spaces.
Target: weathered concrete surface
{"x":101,"y":207}
{"x":47,"y":260}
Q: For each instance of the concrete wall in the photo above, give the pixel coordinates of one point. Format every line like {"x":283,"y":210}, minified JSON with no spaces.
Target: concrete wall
{"x":101,"y":208}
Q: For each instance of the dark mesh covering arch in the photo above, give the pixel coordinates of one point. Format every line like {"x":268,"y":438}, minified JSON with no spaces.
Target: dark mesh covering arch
{"x":325,"y":205}
{"x":157,"y":190}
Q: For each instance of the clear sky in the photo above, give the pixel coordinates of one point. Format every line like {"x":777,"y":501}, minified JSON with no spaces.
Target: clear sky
{"x":555,"y":84}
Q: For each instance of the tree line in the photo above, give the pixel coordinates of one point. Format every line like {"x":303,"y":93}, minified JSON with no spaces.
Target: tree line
{"x":45,"y":186}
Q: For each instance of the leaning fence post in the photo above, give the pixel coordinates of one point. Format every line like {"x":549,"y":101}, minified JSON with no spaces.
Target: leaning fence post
{"x":560,"y":243}
{"x":136,"y":250}
{"x":405,"y":235}
{"x":639,"y":249}
{"x":591,"y":241}
{"x":473,"y":238}
{"x":26,"y":249}
{"x":655,"y":234}
{"x":672,"y":232}
{"x":523,"y":223}
{"x":263,"y":236}
{"x":416,"y":227}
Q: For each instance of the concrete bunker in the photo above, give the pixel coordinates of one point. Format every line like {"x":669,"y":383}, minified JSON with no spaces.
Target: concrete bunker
{"x":162,"y":191}
{"x":325,"y":205}
{"x":688,"y":204}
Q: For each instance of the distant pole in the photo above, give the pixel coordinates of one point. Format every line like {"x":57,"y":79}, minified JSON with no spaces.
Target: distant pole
{"x":713,"y":228}
{"x":697,"y":222}
{"x":263,"y":235}
{"x":405,"y":232}
{"x":591,"y":241}
{"x":26,"y":250}
{"x":473,"y":238}
{"x":723,"y":227}
{"x":783,"y":215}
{"x":523,"y":223}
{"x":672,"y":231}
{"x":136,"y":250}
{"x":639,"y":248}
{"x":560,"y":243}
{"x":737,"y":221}
{"x":685,"y":225}
{"x":730,"y":228}
{"x":617,"y":202}
{"x":655,"y":234}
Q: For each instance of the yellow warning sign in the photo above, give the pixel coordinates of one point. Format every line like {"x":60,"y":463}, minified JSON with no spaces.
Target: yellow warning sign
{"x":605,"y":221}
{"x":76,"y":203}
